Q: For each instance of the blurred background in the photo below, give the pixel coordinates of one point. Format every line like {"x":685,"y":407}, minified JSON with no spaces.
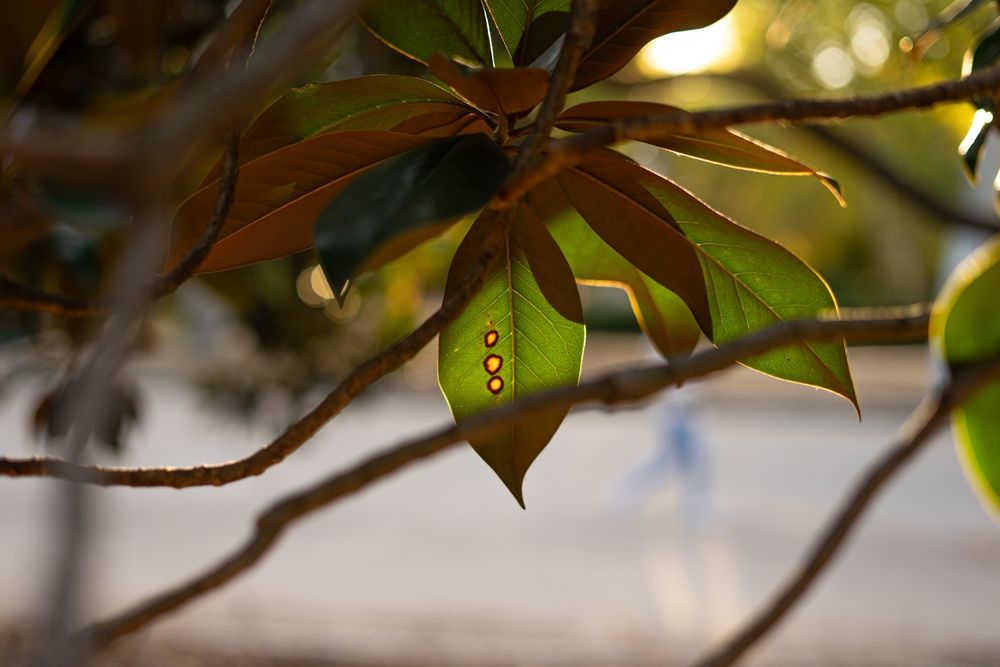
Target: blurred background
{"x":649,"y":533}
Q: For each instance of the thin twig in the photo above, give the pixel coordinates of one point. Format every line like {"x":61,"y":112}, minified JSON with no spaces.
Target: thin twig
{"x":570,"y":150}
{"x":879,"y":325}
{"x":913,"y":436}
{"x":297,"y":433}
{"x":611,"y":389}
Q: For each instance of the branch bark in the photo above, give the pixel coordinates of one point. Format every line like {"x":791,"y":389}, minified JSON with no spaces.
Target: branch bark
{"x":564,"y":152}
{"x":611,"y":389}
{"x":893,"y":325}
{"x":912,"y":438}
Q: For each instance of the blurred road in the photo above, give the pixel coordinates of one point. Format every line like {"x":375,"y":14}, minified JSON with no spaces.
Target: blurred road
{"x":439,"y":565}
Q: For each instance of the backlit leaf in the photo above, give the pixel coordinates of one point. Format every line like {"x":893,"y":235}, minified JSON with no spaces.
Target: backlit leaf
{"x":625,"y":26}
{"x":501,"y":91}
{"x":749,"y":281}
{"x":279,"y":196}
{"x":726,"y":147}
{"x":418,"y":189}
{"x":421,"y":28}
{"x":662,"y":315}
{"x":965,"y":328}
{"x":511,"y":342}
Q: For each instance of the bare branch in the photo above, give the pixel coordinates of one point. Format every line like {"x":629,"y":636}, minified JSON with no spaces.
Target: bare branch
{"x":892,"y":325}
{"x":571,"y":150}
{"x":611,"y":389}
{"x":912,"y":437}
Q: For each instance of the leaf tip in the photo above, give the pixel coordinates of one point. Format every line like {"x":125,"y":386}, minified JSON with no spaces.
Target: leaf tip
{"x":833,"y":186}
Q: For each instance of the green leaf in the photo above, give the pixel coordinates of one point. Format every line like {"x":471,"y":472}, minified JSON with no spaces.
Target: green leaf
{"x":663,"y":316}
{"x":279,"y":196}
{"x":536,"y":346}
{"x":421,"y":28}
{"x":965,"y":329}
{"x":528,"y":27}
{"x":421,"y":188}
{"x":382,"y":102}
{"x":749,"y":282}
{"x":625,"y":26}
{"x":725,"y":147}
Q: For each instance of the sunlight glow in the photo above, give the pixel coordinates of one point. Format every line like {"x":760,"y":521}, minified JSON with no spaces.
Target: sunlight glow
{"x":690,"y":51}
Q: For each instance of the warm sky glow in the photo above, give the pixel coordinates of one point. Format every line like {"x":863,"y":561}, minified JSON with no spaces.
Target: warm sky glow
{"x":690,"y":51}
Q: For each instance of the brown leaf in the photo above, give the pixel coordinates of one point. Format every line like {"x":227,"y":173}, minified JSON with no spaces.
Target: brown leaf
{"x":501,"y":91}
{"x":548,"y":265}
{"x":632,"y":221}
{"x":280,"y":195}
{"x":625,"y":26}
{"x":721,"y":146}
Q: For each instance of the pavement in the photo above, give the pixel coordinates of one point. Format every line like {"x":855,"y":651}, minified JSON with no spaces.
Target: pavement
{"x":631,"y":552}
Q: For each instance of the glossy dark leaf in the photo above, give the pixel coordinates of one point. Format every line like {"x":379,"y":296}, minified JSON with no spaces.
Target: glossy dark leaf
{"x":280,"y":195}
{"x":500,"y":91}
{"x":421,"y":28}
{"x":420,"y":188}
{"x":965,"y":329}
{"x":510,"y":342}
{"x":625,"y":26}
{"x":726,"y":147}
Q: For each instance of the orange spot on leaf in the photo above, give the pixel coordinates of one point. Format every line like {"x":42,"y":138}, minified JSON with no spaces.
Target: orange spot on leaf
{"x":495,"y":384}
{"x":491,"y":338}
{"x":493,"y":363}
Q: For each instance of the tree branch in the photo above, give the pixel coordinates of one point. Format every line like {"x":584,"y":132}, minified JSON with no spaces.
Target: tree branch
{"x":611,"y":389}
{"x":878,"y":325}
{"x":297,"y":433}
{"x":912,"y":437}
{"x":571,"y":150}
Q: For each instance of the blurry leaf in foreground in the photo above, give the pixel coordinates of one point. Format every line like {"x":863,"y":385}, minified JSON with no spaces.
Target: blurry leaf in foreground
{"x":965,"y":328}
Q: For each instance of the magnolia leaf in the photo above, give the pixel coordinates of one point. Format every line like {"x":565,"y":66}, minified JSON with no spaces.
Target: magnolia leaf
{"x":529,"y":27}
{"x":749,"y":282}
{"x":421,"y":28}
{"x":511,"y":342}
{"x":965,"y":329}
{"x":420,"y":188}
{"x":722,"y":146}
{"x":625,"y":26}
{"x":381,"y":102}
{"x":279,"y":196}
{"x":663,"y":316}
{"x":629,"y":219}
{"x":501,"y":91}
